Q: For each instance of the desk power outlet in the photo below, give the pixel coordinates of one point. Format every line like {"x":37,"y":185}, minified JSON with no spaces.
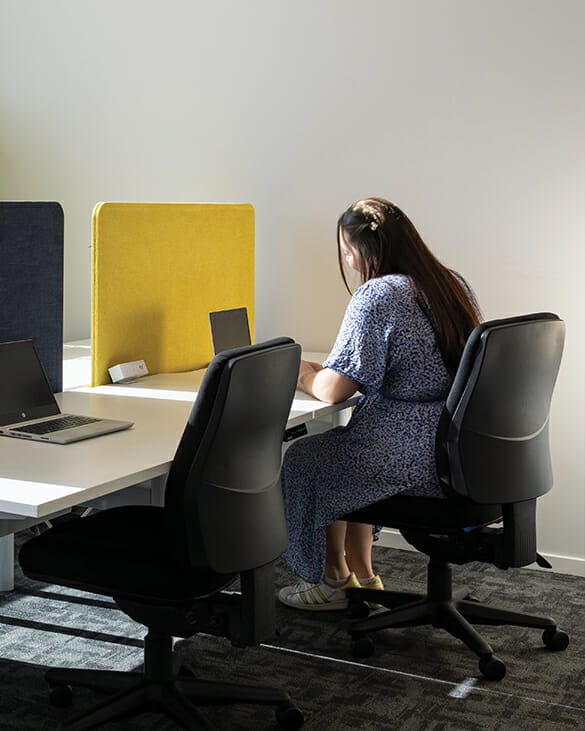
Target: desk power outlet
{"x":126,"y":372}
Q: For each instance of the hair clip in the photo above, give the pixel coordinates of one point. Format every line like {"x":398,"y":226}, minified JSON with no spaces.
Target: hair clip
{"x":373,"y":225}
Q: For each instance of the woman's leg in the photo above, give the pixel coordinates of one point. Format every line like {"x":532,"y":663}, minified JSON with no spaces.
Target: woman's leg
{"x":336,"y":567}
{"x":358,"y":549}
{"x":349,"y":548}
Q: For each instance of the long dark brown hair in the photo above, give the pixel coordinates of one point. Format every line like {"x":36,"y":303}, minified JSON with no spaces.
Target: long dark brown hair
{"x":387,"y":242}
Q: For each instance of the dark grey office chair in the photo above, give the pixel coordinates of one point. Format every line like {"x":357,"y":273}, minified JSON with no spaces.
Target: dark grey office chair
{"x":493,"y":462}
{"x":167,"y":567}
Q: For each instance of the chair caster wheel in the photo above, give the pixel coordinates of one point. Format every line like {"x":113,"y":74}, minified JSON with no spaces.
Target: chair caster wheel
{"x":60,"y":696}
{"x":491,"y":667}
{"x":358,"y":609}
{"x":289,"y":717}
{"x":555,"y":639}
{"x":362,"y":647}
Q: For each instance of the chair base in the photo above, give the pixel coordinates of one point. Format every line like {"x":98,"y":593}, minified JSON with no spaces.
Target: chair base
{"x":165,"y":686}
{"x":453,"y":611}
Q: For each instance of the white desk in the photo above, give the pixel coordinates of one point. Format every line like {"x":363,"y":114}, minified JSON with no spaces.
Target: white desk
{"x":184,"y":387}
{"x":39,"y":480}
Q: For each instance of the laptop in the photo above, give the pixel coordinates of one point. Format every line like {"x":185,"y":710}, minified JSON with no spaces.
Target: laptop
{"x":229,"y":329}
{"x":28,"y":409}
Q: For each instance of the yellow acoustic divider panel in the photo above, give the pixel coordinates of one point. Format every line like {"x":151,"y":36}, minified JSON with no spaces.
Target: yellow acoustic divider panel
{"x":158,"y":269}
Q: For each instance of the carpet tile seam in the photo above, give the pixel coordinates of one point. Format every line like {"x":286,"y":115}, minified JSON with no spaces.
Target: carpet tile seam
{"x":426,"y":678}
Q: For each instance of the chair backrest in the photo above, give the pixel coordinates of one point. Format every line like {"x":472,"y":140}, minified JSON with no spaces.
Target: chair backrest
{"x":493,"y":442}
{"x":223,"y":499}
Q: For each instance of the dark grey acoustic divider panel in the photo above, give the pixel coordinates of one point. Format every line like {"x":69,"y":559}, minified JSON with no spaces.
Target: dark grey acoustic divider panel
{"x":31,"y":280}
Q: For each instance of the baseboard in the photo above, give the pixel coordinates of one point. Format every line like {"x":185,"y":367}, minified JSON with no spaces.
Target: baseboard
{"x":574,"y":565}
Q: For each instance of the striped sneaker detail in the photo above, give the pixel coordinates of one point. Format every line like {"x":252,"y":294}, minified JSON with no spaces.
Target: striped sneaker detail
{"x":317,"y":597}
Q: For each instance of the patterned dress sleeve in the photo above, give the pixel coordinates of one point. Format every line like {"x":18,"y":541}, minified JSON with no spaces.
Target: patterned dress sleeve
{"x":361,"y":349}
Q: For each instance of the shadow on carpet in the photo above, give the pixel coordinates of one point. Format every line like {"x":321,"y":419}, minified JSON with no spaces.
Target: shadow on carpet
{"x":418,"y":678}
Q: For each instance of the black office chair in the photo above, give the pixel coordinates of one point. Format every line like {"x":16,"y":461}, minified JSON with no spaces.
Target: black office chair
{"x":167,"y":567}
{"x":493,"y":462}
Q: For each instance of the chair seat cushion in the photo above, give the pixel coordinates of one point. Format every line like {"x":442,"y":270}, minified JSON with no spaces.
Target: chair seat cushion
{"x":117,"y":552}
{"x":432,"y":513}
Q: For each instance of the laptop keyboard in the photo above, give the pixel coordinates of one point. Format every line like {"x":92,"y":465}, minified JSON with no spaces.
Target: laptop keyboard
{"x":48,"y":427}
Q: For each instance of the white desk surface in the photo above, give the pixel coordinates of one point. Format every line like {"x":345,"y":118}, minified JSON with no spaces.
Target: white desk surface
{"x":39,"y":479}
{"x":184,"y":387}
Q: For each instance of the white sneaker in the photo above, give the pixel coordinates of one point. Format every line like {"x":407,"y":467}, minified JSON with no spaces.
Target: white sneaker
{"x":317,"y":597}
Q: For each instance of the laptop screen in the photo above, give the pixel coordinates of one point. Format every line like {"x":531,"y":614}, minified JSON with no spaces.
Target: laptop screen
{"x":24,"y":390}
{"x":229,"y":329}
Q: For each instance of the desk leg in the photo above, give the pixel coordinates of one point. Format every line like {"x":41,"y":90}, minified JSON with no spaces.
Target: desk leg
{"x":157,"y":490}
{"x":7,"y":562}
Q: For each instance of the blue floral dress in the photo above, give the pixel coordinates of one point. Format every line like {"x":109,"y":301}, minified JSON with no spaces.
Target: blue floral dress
{"x":386,"y":345}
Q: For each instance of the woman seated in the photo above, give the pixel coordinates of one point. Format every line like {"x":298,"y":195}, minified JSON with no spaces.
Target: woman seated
{"x":399,"y":345}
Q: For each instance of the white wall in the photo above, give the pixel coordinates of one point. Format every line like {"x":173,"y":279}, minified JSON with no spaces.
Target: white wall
{"x":469,"y":114}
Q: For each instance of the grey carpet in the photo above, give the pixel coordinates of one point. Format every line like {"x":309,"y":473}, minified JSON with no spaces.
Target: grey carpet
{"x":418,"y":678}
